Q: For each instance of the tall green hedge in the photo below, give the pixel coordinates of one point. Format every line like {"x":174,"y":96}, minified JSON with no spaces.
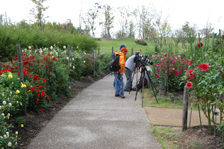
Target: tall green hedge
{"x":28,"y":35}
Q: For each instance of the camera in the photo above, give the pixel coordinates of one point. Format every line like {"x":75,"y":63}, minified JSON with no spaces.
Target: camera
{"x":143,"y":58}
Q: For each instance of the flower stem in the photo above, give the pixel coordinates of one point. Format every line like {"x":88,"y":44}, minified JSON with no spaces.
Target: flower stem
{"x":200,"y":116}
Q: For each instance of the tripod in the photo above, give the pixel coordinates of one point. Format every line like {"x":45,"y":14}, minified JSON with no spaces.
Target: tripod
{"x":142,"y":78}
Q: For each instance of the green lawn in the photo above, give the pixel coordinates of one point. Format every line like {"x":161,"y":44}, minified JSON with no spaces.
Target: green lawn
{"x":106,"y":45}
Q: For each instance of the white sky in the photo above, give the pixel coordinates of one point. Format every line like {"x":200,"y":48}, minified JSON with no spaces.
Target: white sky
{"x":179,"y":11}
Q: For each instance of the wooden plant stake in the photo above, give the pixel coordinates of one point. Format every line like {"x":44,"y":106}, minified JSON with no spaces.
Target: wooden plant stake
{"x":185,"y":109}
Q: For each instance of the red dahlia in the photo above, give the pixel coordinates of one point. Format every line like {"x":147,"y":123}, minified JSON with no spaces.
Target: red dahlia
{"x":189,"y":84}
{"x":203,"y":67}
{"x":200,"y":44}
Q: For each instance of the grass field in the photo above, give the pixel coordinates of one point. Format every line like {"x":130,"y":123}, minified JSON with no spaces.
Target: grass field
{"x":106,"y":46}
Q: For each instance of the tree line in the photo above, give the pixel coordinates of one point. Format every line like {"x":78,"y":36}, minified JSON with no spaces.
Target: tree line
{"x":145,"y":22}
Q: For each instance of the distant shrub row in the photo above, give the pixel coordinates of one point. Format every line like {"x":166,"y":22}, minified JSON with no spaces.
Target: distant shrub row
{"x":11,"y":35}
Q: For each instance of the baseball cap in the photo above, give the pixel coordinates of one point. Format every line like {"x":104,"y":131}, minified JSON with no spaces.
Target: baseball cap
{"x":124,"y":49}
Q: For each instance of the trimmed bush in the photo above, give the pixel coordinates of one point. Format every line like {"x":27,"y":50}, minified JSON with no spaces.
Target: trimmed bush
{"x":141,"y":42}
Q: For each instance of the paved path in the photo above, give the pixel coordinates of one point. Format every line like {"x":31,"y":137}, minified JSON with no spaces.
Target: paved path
{"x":96,"y":119}
{"x":173,"y":117}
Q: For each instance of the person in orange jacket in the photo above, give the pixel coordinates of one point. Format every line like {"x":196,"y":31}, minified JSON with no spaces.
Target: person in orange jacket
{"x":114,"y":55}
{"x":118,"y":75}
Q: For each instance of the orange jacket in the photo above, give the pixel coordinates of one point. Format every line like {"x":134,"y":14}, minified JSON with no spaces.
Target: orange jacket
{"x":122,"y":60}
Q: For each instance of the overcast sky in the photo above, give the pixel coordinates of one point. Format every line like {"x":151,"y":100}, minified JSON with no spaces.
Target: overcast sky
{"x":179,"y":11}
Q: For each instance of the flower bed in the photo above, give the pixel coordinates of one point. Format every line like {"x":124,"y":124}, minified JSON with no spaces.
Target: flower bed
{"x":47,"y":73}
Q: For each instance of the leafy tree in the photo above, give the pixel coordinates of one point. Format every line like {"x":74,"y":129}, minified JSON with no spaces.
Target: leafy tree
{"x":87,"y":30}
{"x":108,"y":22}
{"x":124,"y":16}
{"x":67,"y":28}
{"x":38,"y":12}
{"x":187,"y":32}
{"x":91,"y":18}
{"x":165,"y":29}
{"x":159,"y":25}
{"x":79,"y":29}
{"x":1,"y":19}
{"x":131,"y":33}
{"x":53,"y":26}
{"x":143,"y":17}
{"x":177,"y":36}
{"x":151,"y":33}
{"x":207,"y":31}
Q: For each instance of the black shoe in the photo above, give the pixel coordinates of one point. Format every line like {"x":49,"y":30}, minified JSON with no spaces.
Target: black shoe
{"x":127,"y":90}
{"x":134,"y":89}
{"x":122,"y":96}
{"x":117,"y":95}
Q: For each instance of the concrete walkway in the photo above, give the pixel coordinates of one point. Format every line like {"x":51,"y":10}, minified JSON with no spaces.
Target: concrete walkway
{"x":96,"y":119}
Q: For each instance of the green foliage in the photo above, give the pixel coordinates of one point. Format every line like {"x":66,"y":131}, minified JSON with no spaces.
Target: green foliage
{"x":206,"y":83}
{"x":189,"y":33}
{"x":58,"y":80}
{"x":38,"y":12}
{"x":157,"y":50}
{"x":102,"y":62}
{"x":7,"y":138}
{"x":29,"y":35}
{"x":89,"y":65}
{"x":6,"y":43}
{"x":20,"y":121}
{"x":174,"y":84}
{"x":76,"y":64}
{"x":13,"y":93}
{"x":11,"y":100}
{"x":141,"y":42}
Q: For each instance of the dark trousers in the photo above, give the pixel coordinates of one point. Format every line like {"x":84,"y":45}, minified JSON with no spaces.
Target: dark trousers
{"x":128,"y":74}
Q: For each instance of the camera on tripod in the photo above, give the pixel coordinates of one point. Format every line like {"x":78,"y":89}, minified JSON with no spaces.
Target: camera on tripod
{"x":145,"y":79}
{"x":143,"y":58}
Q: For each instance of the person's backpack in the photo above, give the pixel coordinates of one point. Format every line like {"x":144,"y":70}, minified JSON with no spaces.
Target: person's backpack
{"x":113,"y":64}
{"x":140,"y":83}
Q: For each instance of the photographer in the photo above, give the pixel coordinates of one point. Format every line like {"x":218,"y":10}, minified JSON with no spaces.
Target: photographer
{"x":130,"y":67}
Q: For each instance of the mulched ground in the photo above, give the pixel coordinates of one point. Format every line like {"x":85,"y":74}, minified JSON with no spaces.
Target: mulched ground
{"x":192,"y":138}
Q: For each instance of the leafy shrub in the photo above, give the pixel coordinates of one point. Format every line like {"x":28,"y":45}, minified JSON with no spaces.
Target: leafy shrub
{"x":58,"y":81}
{"x":8,"y":139}
{"x":88,"y":61}
{"x":13,"y":93}
{"x":174,"y":66}
{"x":141,"y":42}
{"x":6,"y":44}
{"x":102,"y":62}
{"x":157,"y":50}
{"x":12,"y":99}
